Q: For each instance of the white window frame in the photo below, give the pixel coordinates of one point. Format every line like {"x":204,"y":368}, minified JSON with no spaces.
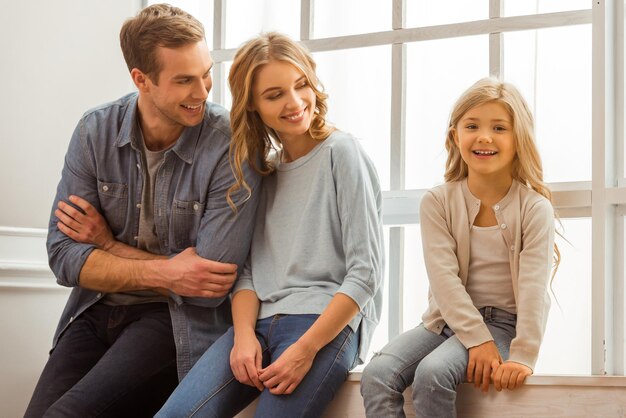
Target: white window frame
{"x":603,"y":199}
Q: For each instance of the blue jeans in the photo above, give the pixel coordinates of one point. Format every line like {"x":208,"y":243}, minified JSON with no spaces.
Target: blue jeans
{"x":210,"y":389}
{"x":433,"y":363}
{"x":112,"y":361}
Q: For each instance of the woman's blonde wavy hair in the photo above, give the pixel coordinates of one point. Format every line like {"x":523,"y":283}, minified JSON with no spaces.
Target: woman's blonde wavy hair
{"x":527,"y":168}
{"x":252,"y":140}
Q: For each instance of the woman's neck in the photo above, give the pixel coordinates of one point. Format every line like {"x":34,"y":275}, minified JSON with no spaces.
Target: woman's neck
{"x":297,"y":147}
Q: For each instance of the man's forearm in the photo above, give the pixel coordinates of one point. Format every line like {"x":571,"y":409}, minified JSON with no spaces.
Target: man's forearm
{"x":185,"y":274}
{"x":119,"y":249}
{"x":106,"y":272}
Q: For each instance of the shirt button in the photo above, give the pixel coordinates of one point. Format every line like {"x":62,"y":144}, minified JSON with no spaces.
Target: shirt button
{"x":135,"y":238}
{"x":138,"y":166}
{"x":503,"y":226}
{"x":512,"y":247}
{"x":496,"y":207}
{"x":195,"y":206}
{"x":105,"y":188}
{"x":138,"y":205}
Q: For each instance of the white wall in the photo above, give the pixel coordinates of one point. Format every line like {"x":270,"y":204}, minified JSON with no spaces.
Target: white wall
{"x":57,"y":59}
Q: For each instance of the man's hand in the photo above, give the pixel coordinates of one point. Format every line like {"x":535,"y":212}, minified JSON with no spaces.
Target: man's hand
{"x":188,"y":274}
{"x":88,"y":226}
{"x":482,"y":360}
{"x":284,"y":375}
{"x":510,"y":375}
{"x":246,"y":359}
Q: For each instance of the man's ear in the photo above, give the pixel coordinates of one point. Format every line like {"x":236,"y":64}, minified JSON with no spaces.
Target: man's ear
{"x":140,"y":79}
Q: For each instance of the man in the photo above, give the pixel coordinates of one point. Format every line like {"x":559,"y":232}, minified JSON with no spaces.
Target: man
{"x":145,"y":230}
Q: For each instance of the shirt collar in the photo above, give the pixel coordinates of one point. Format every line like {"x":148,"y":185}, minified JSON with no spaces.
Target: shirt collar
{"x":184,"y":147}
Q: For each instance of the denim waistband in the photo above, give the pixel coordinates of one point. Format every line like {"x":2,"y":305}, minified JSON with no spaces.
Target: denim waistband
{"x":490,"y":313}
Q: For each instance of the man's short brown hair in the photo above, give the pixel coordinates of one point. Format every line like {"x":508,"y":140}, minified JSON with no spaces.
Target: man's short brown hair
{"x":159,"y":25}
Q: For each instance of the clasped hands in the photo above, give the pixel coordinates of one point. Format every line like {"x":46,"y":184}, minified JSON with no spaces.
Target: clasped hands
{"x":281,"y":377}
{"x":485,"y":364}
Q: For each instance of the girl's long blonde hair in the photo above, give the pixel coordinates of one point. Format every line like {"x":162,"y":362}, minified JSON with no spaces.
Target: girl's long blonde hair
{"x":527,"y":168}
{"x":251,"y":138}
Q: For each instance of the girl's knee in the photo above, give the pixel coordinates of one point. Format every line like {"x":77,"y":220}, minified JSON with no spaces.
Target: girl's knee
{"x":434,"y":373}
{"x":381,"y":375}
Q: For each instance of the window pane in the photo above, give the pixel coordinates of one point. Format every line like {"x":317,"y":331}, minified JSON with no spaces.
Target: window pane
{"x":518,"y":8}
{"x":358,"y":82}
{"x":441,"y":12}
{"x":415,"y":287}
{"x":437,"y":73}
{"x":349,"y":17}
{"x":569,"y":323}
{"x":552,"y":69}
{"x":246,"y":19}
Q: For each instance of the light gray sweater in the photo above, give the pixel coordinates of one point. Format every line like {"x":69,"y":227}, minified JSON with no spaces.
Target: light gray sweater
{"x":318,"y":232}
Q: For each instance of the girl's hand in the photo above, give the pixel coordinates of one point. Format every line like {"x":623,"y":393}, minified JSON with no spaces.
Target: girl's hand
{"x":284,"y":375}
{"x":482,"y":359}
{"x":246,"y":360}
{"x":87,"y":227}
{"x":510,"y":375}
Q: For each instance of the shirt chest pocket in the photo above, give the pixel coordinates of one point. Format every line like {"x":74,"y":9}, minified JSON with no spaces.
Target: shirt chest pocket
{"x":114,"y":203}
{"x":186,"y":216}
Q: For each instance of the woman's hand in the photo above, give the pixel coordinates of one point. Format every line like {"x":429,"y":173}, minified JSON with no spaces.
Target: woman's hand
{"x":284,"y":375}
{"x":510,"y":375}
{"x":482,"y":360}
{"x":88,"y":226}
{"x":246,"y":359}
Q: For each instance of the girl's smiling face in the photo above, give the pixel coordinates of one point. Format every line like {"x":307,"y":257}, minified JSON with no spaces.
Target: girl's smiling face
{"x":486,"y":141}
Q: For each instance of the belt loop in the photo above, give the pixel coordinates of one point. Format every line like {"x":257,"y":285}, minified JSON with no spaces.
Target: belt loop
{"x":488,"y":313}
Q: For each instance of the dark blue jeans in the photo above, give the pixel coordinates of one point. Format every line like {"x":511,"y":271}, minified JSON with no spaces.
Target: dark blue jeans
{"x":112,"y":361}
{"x":210,"y":389}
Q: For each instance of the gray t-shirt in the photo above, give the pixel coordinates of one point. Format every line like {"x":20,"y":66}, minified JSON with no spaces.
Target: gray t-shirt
{"x":146,"y":239}
{"x":318,"y":232}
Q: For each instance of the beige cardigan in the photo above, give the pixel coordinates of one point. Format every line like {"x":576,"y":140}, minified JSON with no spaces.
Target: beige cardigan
{"x":526,"y":220}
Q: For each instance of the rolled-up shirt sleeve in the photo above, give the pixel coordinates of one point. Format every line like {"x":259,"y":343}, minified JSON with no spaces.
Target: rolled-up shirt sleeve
{"x":66,"y":257}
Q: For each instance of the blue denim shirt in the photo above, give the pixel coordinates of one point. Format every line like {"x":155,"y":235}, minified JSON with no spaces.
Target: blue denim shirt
{"x":103,"y":166}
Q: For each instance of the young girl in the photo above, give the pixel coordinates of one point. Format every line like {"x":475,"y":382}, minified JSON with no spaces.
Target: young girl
{"x":307,"y":303}
{"x":488,"y":239}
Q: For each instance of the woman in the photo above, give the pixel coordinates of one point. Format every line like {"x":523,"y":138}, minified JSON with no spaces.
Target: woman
{"x":305,"y":308}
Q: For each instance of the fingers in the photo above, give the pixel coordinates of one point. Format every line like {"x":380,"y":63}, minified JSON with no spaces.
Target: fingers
{"x":83,"y":204}
{"x":69,"y":210}
{"x":510,"y":376}
{"x":497,"y":377}
{"x":478,"y":374}
{"x":65,"y":218}
{"x":253,"y":375}
{"x":485,"y":378}
{"x":67,"y":231}
{"x":221,"y":268}
{"x":471,"y":365}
